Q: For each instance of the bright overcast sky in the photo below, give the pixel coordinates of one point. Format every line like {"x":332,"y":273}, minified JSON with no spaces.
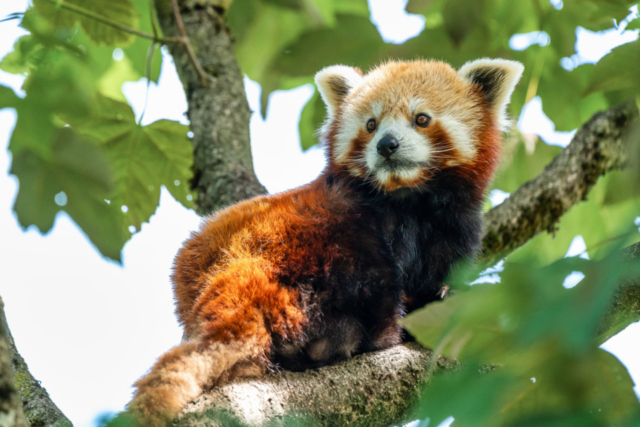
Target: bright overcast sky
{"x":87,"y":327}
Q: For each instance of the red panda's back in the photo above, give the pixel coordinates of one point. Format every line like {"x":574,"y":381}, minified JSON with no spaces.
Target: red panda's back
{"x":296,"y":226}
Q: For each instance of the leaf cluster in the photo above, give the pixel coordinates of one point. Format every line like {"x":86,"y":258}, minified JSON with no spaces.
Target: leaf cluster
{"x":282,"y":44}
{"x":540,"y":342}
{"x":77,"y":146}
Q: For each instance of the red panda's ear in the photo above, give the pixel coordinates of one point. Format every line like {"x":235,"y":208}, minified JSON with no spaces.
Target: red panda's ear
{"x":496,"y":78}
{"x":335,"y":83}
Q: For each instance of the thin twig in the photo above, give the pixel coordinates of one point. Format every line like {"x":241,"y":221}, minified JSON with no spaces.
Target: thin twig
{"x":106,"y":21}
{"x":204,"y":79}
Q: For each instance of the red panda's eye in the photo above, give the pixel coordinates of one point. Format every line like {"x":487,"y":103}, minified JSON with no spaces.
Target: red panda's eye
{"x":423,"y":120}
{"x":371,"y":125}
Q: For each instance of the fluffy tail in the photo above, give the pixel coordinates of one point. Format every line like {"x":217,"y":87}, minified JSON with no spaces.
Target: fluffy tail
{"x":183,"y":373}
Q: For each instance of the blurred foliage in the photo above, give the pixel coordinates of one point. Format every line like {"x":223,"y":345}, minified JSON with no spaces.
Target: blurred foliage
{"x":538,"y":340}
{"x":76,"y":145}
{"x":280,"y":40}
{"x":73,"y":79}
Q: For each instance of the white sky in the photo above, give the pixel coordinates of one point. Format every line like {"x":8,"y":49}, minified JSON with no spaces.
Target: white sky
{"x":89,"y":328}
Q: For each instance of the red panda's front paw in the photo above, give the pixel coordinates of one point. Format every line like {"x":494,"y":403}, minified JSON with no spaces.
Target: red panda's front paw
{"x":443,"y":292}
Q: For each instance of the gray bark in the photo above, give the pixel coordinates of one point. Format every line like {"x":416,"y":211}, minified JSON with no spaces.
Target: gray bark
{"x":26,"y":398}
{"x":374,"y":389}
{"x":218,"y":111}
{"x":600,"y":145}
{"x":11,"y":414}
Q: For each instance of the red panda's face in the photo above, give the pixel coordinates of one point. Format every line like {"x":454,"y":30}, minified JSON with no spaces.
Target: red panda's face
{"x":404,"y":121}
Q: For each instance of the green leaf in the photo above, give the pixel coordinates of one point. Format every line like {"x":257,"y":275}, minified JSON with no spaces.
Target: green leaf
{"x":463,"y":325}
{"x":311,"y":119}
{"x":78,"y":175}
{"x":110,"y":84}
{"x":519,"y":165}
{"x":317,"y":49}
{"x":143,"y":159}
{"x":460,"y":18}
{"x":272,"y":29}
{"x":618,"y":70}
{"x":473,"y":399}
{"x":293,"y":4}
{"x":26,"y":54}
{"x":138,"y":50}
{"x":558,"y":85}
{"x":8,"y":98}
{"x":421,"y":6}
{"x":324,"y":10}
{"x":118,"y":11}
{"x":352,"y":7}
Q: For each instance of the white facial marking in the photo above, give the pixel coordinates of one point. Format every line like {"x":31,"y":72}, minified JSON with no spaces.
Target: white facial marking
{"x":376,"y":108}
{"x":460,"y":136}
{"x":348,"y":130}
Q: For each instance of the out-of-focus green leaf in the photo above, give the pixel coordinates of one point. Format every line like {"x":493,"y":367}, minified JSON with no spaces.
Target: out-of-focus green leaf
{"x":351,"y":7}
{"x":75,"y":177}
{"x":120,"y":11}
{"x":543,"y":338}
{"x":311,"y":118}
{"x":460,"y":18}
{"x":273,"y":28}
{"x":421,"y":6}
{"x":621,"y":186}
{"x":470,"y":397}
{"x":450,"y":332}
{"x":324,"y":10}
{"x":143,"y":159}
{"x":8,"y":98}
{"x":138,"y":50}
{"x":617,"y":70}
{"x":58,"y":169}
{"x":559,"y":85}
{"x":519,"y":166}
{"x":317,"y":49}
{"x":27,"y":52}
{"x":293,"y":4}
{"x":110,"y":85}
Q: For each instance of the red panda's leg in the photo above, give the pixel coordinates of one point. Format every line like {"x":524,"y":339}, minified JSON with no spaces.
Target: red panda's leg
{"x":237,"y":314}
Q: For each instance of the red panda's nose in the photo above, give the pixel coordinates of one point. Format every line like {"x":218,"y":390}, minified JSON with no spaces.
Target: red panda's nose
{"x":388,"y":145}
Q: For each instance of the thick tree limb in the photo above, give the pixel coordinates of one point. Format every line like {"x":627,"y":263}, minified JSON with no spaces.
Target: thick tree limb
{"x":11,"y":414}
{"x":598,"y":147}
{"x":32,"y":400}
{"x":218,"y":110}
{"x":370,"y":390}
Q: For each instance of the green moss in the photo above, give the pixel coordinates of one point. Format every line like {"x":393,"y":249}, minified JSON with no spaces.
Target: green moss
{"x":22,"y":380}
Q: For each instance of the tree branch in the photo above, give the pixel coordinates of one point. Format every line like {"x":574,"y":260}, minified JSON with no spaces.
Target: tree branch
{"x":37,"y":406}
{"x":218,"y":111}
{"x":374,"y":389}
{"x":204,"y":80}
{"x":11,"y":414}
{"x":598,"y":147}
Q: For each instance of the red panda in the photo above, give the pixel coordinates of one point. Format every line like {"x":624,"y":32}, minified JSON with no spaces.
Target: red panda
{"x":304,"y":278}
